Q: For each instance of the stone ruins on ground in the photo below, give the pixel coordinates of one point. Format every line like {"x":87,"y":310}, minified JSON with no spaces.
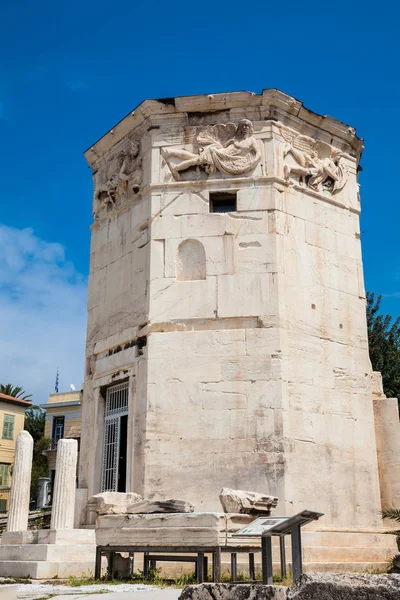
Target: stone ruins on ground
{"x":316,"y":586}
{"x":226,"y":344}
{"x":60,"y":551}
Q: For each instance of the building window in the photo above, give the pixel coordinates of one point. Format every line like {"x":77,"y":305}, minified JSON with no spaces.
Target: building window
{"x":4,"y":475}
{"x":8,"y":427}
{"x":115,"y":438}
{"x":222,"y":202}
{"x":58,"y":429}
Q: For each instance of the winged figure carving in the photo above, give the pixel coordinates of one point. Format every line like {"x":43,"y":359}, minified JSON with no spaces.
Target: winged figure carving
{"x":116,"y":178}
{"x":319,"y":165}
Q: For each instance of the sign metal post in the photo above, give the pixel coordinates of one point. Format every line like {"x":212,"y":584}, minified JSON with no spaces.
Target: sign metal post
{"x":266,"y":527}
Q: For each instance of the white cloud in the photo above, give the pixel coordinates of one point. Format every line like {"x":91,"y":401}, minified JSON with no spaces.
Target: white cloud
{"x":42,"y":314}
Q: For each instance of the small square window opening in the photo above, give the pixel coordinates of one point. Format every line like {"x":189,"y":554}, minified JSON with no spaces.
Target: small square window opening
{"x":223,"y":202}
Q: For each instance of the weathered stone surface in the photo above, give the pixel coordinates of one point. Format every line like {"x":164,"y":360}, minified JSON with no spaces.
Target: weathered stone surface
{"x":47,"y":553}
{"x":256,"y":369}
{"x":121,"y":503}
{"x":20,"y":487}
{"x":312,"y":587}
{"x":63,"y":509}
{"x":112,"y":503}
{"x":331,"y":586}
{"x":387,"y":442}
{"x":174,"y":529}
{"x":239,"y":501}
{"x":160,"y":506}
{"x":231,"y":591}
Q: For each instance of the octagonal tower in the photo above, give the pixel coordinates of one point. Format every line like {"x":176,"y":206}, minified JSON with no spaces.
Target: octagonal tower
{"x":227,"y":340}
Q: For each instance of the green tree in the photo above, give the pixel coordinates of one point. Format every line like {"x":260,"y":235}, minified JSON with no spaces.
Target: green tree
{"x":39,"y":464}
{"x":16,"y":391}
{"x":394,"y":514}
{"x":35,"y":419}
{"x":384,"y":345}
{"x":391,"y":513}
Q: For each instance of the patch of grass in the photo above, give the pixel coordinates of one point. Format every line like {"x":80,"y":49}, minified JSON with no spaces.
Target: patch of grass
{"x":393,"y":564}
{"x":81,"y":580}
{"x":285,"y":581}
{"x":226,"y":577}
{"x":185,"y":579}
{"x":11,"y":580}
{"x":153,"y":578}
{"x":377,"y":570}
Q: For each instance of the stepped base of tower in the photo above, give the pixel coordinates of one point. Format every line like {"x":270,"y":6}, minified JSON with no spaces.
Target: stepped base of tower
{"x":347,"y":550}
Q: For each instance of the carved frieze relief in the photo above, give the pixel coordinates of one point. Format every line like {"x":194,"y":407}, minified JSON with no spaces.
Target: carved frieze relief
{"x":117,"y":179}
{"x":314,"y":163}
{"x":228,"y":148}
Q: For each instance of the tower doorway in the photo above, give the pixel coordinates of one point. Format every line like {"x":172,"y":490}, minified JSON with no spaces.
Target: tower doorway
{"x":115,"y":446}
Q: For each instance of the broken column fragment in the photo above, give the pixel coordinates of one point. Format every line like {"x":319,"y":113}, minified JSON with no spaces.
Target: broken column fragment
{"x":160,"y":506}
{"x":112,"y":503}
{"x":239,"y":501}
{"x":120,"y":503}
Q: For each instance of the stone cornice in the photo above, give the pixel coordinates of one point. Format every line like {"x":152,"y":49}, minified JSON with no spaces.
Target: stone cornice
{"x":277,"y":103}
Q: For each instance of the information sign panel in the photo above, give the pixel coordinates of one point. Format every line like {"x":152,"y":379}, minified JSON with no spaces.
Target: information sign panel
{"x":260,"y":526}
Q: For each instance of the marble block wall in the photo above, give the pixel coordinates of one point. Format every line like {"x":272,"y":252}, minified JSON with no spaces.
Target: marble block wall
{"x":242,"y":333}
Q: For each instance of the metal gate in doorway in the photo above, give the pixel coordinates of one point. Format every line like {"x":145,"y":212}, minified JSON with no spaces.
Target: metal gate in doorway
{"x":115,"y":428}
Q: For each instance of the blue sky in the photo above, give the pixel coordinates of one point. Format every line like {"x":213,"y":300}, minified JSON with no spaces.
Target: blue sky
{"x":70,"y":71}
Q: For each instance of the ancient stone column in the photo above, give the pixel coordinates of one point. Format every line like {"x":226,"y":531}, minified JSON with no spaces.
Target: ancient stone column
{"x":62,"y":514}
{"x":21,"y":483}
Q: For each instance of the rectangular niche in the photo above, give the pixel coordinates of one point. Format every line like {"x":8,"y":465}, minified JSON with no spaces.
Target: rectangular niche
{"x":223,"y":202}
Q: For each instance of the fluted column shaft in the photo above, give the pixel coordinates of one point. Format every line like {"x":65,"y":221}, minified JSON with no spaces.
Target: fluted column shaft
{"x":62,"y":513}
{"x":21,"y":483}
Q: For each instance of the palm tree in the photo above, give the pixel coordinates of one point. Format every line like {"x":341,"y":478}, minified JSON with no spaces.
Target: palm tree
{"x":391,"y":513}
{"x":394,"y":514}
{"x":15,"y":391}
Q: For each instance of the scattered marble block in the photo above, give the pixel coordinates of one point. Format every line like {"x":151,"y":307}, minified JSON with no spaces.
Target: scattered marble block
{"x":174,"y":530}
{"x":47,"y":553}
{"x":322,"y":550}
{"x":160,"y":506}
{"x":119,"y":503}
{"x":239,"y":501}
{"x":112,"y":503}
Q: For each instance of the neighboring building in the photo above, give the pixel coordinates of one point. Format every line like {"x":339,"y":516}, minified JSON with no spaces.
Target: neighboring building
{"x":227,"y":341}
{"x":12,"y":416}
{"x":63,"y":420}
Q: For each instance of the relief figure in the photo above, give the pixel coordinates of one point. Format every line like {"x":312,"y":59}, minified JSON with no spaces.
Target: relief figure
{"x":230,"y":149}
{"x":126,"y":175}
{"x":318,"y":165}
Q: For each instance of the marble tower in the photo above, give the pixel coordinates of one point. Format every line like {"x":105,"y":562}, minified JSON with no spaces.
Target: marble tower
{"x":227,"y":341}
